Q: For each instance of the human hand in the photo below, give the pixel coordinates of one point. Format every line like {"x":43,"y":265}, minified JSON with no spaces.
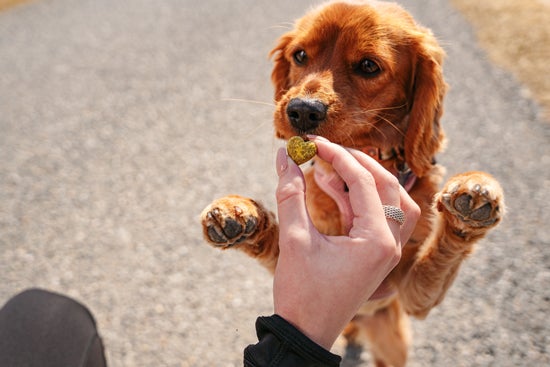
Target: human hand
{"x":321,"y":281}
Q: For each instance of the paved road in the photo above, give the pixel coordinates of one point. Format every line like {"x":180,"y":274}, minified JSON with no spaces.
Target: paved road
{"x":117,"y":128}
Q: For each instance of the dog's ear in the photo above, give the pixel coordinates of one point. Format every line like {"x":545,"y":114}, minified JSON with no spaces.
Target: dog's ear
{"x":424,"y":136}
{"x":281,"y":68}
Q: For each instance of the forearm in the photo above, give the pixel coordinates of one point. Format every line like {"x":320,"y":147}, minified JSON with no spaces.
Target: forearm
{"x":433,"y":271}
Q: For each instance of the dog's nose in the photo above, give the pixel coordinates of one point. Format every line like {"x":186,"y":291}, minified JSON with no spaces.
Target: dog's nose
{"x":306,"y":114}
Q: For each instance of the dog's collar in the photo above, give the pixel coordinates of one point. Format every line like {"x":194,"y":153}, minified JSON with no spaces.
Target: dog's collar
{"x":333,"y":185}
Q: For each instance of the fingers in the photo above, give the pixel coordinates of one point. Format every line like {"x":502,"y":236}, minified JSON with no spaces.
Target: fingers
{"x":412,"y":213}
{"x":385,"y":187}
{"x":370,"y":186}
{"x":363,"y":195}
{"x":290,"y":194}
{"x":388,"y":188}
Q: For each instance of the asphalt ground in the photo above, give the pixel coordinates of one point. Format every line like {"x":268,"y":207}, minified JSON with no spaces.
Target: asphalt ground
{"x":120,"y":120}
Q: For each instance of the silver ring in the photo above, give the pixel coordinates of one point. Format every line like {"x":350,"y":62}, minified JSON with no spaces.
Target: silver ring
{"x":395,"y":213}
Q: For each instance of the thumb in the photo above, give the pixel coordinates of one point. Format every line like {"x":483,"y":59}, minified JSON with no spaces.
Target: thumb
{"x":290,"y":195}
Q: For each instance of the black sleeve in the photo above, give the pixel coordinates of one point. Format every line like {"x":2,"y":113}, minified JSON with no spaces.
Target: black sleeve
{"x":282,"y":345}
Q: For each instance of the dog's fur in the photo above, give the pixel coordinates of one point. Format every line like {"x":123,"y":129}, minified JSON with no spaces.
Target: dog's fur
{"x":377,"y":76}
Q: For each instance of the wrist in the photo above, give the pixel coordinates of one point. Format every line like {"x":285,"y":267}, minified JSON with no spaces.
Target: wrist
{"x":313,"y":326}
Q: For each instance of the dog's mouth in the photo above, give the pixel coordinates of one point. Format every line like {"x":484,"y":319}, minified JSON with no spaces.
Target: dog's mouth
{"x":302,"y":116}
{"x":341,"y":122}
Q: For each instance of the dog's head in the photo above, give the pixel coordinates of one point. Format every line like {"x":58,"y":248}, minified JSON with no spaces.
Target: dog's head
{"x":361,"y":74}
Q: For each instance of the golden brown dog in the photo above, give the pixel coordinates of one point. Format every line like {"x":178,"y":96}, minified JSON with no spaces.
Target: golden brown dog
{"x":366,"y":76}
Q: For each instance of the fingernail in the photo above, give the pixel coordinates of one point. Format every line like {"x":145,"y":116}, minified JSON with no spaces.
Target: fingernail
{"x":316,"y":137}
{"x":282,"y":161}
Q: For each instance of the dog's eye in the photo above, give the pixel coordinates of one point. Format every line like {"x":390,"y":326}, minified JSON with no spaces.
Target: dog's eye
{"x":300,"y":57}
{"x":368,"y":68}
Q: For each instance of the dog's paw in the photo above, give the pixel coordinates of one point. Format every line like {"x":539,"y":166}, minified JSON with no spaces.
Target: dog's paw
{"x":229,"y":221}
{"x":475,"y":199}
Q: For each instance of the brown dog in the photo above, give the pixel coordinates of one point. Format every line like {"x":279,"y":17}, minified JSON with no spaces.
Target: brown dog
{"x":365,"y":75}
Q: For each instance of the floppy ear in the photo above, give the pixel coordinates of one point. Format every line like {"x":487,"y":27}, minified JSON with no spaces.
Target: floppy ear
{"x":424,"y":136}
{"x":281,"y":68}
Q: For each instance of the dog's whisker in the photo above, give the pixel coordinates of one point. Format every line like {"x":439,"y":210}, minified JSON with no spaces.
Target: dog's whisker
{"x":254,"y":130}
{"x":392,"y":124}
{"x":359,"y":115}
{"x":388,"y":121}
{"x":359,"y":119}
{"x":285,"y":25}
{"x":259,"y":126}
{"x":386,"y":108}
{"x":351,"y":138}
{"x":248,"y":101}
{"x":379,"y":130}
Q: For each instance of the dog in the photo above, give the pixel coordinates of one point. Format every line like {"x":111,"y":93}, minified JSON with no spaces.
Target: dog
{"x":365,"y":75}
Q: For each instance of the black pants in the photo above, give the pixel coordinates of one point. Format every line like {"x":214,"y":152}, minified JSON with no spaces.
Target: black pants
{"x":44,"y":329}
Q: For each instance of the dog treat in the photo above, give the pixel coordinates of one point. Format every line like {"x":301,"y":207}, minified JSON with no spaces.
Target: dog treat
{"x":300,"y":150}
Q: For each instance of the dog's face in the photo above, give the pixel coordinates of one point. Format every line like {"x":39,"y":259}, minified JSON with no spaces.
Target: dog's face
{"x":361,"y":74}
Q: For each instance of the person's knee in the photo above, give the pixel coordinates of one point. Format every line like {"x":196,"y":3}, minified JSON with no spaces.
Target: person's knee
{"x":41,"y":322}
{"x":48,"y":307}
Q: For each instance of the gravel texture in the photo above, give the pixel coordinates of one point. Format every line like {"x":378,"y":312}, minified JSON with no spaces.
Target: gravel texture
{"x":120,"y":120}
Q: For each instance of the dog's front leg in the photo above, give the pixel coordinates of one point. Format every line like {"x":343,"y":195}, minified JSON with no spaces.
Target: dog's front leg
{"x":467,"y":208}
{"x":244,"y":224}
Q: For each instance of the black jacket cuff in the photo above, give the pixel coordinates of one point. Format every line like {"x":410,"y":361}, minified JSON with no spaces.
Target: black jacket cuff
{"x":282,"y":345}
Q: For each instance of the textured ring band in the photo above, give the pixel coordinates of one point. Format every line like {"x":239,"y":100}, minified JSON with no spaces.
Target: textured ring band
{"x":395,"y":213}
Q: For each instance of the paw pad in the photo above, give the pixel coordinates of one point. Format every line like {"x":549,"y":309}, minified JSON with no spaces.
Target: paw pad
{"x":475,"y":199}
{"x":225,"y":226}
